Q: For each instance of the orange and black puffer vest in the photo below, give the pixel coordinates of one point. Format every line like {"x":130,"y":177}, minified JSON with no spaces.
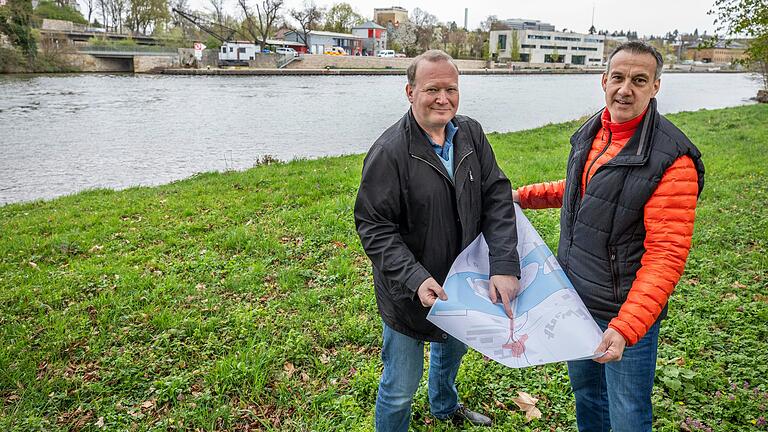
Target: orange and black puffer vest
{"x":602,"y":234}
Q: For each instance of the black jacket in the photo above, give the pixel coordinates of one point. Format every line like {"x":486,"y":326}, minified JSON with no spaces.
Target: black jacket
{"x":413,"y":220}
{"x":602,"y":234}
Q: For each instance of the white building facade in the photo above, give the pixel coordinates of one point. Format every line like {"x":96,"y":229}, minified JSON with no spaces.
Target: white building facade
{"x":537,"y":46}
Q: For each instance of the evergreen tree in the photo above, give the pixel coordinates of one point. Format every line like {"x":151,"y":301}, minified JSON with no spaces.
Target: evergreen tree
{"x":15,"y":22}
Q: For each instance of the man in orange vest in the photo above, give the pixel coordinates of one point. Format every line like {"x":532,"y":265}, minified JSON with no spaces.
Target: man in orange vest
{"x":627,"y":212}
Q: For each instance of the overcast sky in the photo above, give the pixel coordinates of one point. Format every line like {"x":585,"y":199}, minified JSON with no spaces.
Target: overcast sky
{"x":646,"y":17}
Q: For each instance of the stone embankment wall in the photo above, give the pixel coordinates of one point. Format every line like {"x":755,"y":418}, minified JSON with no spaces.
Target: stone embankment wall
{"x":154,"y":63}
{"x":137,"y":64}
{"x":321,"y":61}
{"x":89,"y":63}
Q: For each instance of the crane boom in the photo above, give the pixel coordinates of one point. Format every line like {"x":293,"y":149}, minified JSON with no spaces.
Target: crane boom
{"x":208,"y":26}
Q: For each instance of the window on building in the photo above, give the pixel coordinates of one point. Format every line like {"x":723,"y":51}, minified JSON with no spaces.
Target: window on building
{"x":590,"y":40}
{"x":578,"y":59}
{"x":241,"y":50}
{"x":525,"y":57}
{"x":527,"y":46}
{"x":570,"y":39}
{"x":502,"y":43}
{"x":586,"y":49}
{"x":533,"y":36}
{"x":549,"y":58}
{"x":594,"y":60}
{"x":224,"y":50}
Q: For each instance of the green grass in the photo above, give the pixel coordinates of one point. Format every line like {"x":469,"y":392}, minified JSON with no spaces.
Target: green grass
{"x":244,"y":300}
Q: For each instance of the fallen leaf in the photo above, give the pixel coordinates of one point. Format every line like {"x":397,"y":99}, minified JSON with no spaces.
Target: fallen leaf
{"x":304,"y":377}
{"x":527,"y":403}
{"x":95,"y":248}
{"x":148,"y":404}
{"x":100,"y":423}
{"x":532,"y":414}
{"x":500,"y":405}
{"x":32,"y":264}
{"x":524,"y":400}
{"x":289,"y":369}
{"x":324,"y":359}
{"x":739,"y":285}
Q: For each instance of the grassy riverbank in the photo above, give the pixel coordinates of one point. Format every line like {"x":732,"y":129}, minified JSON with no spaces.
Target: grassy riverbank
{"x":244,"y":300}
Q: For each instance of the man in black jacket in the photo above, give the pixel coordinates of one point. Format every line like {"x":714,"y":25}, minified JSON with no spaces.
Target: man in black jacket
{"x":430,"y":186}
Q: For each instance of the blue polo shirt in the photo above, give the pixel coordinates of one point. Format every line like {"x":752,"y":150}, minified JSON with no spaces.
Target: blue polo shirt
{"x":445,"y":152}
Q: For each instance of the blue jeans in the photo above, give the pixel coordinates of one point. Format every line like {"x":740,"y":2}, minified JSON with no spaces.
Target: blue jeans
{"x":617,"y":395}
{"x":403,"y":359}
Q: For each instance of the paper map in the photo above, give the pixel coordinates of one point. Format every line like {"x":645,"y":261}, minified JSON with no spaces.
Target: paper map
{"x":551,"y":323}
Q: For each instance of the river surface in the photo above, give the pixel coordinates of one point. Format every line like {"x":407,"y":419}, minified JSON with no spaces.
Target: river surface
{"x":63,"y":134}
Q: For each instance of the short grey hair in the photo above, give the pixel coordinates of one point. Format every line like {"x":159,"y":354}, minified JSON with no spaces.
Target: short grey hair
{"x":637,"y":47}
{"x":433,"y":56}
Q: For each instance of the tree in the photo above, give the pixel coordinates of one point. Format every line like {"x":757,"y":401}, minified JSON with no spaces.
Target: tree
{"x":260,"y":25}
{"x":405,"y":37}
{"x":91,"y":6}
{"x":457,"y":38}
{"x":145,"y":15}
{"x":308,"y":18}
{"x":514,"y":48}
{"x":51,"y":10}
{"x":217,"y":11}
{"x":477,"y":43}
{"x":340,"y":18}
{"x":424,"y":23}
{"x":750,"y":18}
{"x":488,"y":22}
{"x":15,"y":22}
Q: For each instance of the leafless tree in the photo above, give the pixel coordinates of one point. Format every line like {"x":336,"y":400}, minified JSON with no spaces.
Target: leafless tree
{"x":90,"y":5}
{"x":217,"y":11}
{"x":488,"y":22}
{"x":308,"y":18}
{"x":259,"y":25}
{"x":424,"y":24}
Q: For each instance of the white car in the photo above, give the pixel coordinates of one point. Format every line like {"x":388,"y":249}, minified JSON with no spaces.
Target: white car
{"x":387,"y":53}
{"x":287,"y":51}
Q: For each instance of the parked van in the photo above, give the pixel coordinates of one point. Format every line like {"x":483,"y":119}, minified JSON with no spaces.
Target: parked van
{"x":287,"y":51}
{"x":387,"y":53}
{"x":337,"y":51}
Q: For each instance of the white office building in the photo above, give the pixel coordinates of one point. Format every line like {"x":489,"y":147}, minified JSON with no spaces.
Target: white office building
{"x":538,"y":46}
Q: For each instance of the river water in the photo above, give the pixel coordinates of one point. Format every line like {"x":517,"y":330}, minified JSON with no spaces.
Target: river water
{"x":62,"y":134}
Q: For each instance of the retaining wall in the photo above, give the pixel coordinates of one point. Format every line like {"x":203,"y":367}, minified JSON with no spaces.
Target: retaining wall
{"x":321,"y":61}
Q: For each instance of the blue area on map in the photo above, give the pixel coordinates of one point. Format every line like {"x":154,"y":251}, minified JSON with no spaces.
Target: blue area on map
{"x":461,"y":295}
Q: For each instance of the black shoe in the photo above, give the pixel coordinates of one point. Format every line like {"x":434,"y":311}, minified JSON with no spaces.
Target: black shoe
{"x":463,"y":414}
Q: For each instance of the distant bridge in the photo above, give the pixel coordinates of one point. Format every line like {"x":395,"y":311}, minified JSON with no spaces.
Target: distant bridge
{"x":117,"y":58}
{"x":78,"y":36}
{"x":127,"y":51}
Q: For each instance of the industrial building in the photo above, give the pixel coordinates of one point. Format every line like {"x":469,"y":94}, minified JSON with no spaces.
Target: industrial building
{"x":321,"y":41}
{"x":374,"y":37}
{"x":542,"y":46}
{"x":393,"y":15}
{"x":526,"y":24}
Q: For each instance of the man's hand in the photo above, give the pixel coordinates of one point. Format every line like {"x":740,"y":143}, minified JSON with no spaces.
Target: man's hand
{"x":429,"y":291}
{"x":504,"y":288}
{"x":515,"y":196}
{"x":613,"y":344}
